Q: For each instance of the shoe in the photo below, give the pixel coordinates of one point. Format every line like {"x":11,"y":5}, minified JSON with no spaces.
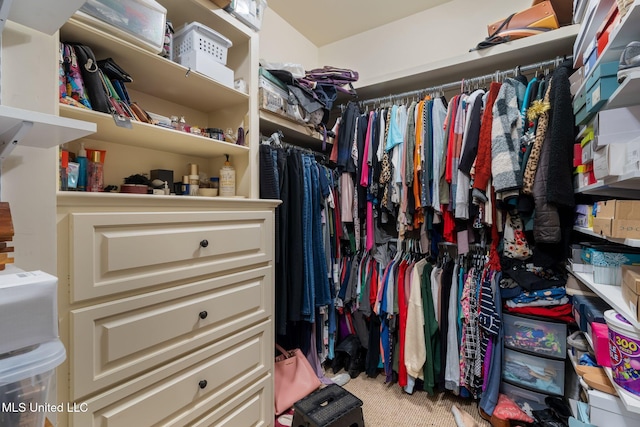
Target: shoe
{"x":629,"y":60}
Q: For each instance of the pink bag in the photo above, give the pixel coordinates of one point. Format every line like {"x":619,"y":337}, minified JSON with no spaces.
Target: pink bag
{"x":294,"y":379}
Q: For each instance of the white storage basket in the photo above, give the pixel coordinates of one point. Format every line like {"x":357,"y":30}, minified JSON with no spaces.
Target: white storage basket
{"x":202,"y":40}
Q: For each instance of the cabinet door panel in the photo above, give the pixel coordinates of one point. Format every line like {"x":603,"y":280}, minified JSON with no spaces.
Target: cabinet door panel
{"x":178,"y":390}
{"x":119,"y":339}
{"x":119,"y":252}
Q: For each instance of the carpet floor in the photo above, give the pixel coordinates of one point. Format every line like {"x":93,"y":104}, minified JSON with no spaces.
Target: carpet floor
{"x":387,"y":405}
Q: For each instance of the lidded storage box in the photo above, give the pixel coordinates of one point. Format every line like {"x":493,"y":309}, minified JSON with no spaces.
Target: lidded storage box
{"x":204,"y":50}
{"x":28,"y":310}
{"x":26,"y":380}
{"x":140,"y":22}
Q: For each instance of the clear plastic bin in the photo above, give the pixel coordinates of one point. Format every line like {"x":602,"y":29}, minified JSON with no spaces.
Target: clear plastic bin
{"x":141,"y":22}
{"x":26,"y":380}
{"x":535,"y":336}
{"x":532,"y":372}
{"x":524,"y":397}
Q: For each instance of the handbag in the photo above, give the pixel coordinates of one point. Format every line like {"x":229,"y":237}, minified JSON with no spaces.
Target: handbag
{"x":293,"y":378}
{"x":563,"y":10}
{"x":112,"y":70}
{"x":537,"y":19}
{"x":91,"y":76}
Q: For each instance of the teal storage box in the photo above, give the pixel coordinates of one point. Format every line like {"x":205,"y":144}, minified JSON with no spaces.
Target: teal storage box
{"x":600,"y":92}
{"x":580,"y":100}
{"x":584,"y":116}
{"x":603,"y":70}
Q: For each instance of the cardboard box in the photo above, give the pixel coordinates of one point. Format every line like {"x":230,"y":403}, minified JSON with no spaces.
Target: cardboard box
{"x":602,"y":226}
{"x":607,"y":69}
{"x":631,"y":277}
{"x":608,"y":410}
{"x":610,"y":22}
{"x":576,"y":79}
{"x":609,"y":161}
{"x":631,"y":288}
{"x":619,"y":125}
{"x":600,"y":92}
{"x":587,"y":152}
{"x":625,"y":229}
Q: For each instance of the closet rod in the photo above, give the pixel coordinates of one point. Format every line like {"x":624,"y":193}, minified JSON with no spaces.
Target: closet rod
{"x":495,"y":75}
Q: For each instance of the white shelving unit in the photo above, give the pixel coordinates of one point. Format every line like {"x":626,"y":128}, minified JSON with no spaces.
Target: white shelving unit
{"x":43,"y":16}
{"x":627,"y":185}
{"x":610,"y":294}
{"x":626,"y":94}
{"x":145,"y":135}
{"x":631,"y":402}
{"x":626,"y":31}
{"x":589,"y":232}
{"x":35,"y":129}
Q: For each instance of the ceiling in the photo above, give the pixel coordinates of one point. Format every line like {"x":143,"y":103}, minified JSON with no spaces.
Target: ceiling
{"x":326,"y":21}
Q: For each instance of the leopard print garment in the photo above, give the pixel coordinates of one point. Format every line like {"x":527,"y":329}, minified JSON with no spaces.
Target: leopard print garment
{"x":385,"y":174}
{"x":534,"y":157}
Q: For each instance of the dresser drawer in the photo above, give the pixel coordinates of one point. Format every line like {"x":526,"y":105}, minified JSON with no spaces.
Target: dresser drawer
{"x":252,"y":407}
{"x":114,"y":341}
{"x":177,"y":392}
{"x":535,"y":336}
{"x":118,"y":252}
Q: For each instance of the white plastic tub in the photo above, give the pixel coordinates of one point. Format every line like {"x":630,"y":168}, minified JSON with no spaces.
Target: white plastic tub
{"x":624,"y":350}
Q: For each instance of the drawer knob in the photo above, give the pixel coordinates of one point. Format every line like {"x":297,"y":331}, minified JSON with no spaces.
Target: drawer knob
{"x":202,"y":384}
{"x":203,"y":315}
{"x":204,"y":243}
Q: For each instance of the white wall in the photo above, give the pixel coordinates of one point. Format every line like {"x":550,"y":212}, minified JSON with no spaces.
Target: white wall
{"x":30,"y":81}
{"x":280,"y":42}
{"x":445,"y":31}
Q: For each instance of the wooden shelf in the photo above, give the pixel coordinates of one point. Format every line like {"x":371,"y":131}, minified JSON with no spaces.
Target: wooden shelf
{"x":611,"y":294}
{"x":153,"y":137}
{"x":589,"y":232}
{"x":168,"y":80}
{"x":47,"y":130}
{"x":294,"y":132}
{"x":629,"y":400}
{"x":524,"y":51}
{"x":627,"y":93}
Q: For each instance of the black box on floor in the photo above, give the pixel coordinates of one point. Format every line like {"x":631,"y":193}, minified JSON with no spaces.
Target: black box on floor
{"x":163,"y":175}
{"x":331,"y":406}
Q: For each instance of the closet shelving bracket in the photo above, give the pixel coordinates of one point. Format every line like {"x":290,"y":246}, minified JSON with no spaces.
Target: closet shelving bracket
{"x":10,"y":138}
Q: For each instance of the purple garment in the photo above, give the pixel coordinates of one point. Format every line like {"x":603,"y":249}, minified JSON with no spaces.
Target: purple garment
{"x":487,"y":365}
{"x":314,"y":361}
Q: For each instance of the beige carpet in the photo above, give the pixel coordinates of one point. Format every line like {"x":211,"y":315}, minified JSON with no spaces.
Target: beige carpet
{"x":387,"y":405}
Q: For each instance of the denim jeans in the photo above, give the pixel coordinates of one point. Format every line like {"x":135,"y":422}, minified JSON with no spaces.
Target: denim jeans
{"x":322,"y":291}
{"x":308,"y":297}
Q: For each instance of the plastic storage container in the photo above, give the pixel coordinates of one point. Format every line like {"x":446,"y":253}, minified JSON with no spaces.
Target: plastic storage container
{"x":28,"y":310}
{"x":204,"y":50}
{"x":140,"y":22}
{"x":26,"y":379}
{"x":198,"y":37}
{"x":524,"y":397}
{"x":535,"y":373}
{"x":624,"y":350}
{"x":249,"y":12}
{"x":535,"y":336}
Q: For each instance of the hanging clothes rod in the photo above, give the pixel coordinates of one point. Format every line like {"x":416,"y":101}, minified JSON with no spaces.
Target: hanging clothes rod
{"x":496,"y":75}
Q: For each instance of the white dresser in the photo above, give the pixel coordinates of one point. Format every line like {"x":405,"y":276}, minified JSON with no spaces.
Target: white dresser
{"x":166,"y":310}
